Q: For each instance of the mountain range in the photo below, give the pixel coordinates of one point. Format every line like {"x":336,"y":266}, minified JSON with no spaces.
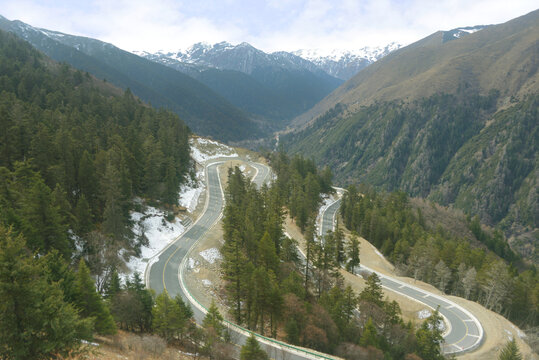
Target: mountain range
{"x":273,"y":87}
{"x":452,"y":117}
{"x":205,"y":111}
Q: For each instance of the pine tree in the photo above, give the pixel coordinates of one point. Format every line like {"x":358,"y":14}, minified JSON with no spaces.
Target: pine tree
{"x":214,"y":329}
{"x":90,"y":302}
{"x":369,"y":337}
{"x":429,"y":338}
{"x":233,"y":265}
{"x":373,"y":291}
{"x":309,"y":239}
{"x":83,"y":216}
{"x":113,"y":285}
{"x":43,"y":223}
{"x":339,"y":245}
{"x":267,"y":254}
{"x":214,"y":320}
{"x":168,"y":320}
{"x":252,"y":351}
{"x":144,"y":297}
{"x":113,"y":220}
{"x":353,"y":253}
{"x":87,"y":181}
{"x":510,"y":351}
{"x":35,"y":321}
{"x":186,"y":310}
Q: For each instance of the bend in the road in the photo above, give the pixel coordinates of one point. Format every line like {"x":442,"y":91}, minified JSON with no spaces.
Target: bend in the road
{"x":166,"y":271}
{"x":464,"y":332}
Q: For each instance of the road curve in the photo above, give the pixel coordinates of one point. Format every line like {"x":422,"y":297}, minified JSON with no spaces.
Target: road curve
{"x":166,"y":269}
{"x":464,"y":332}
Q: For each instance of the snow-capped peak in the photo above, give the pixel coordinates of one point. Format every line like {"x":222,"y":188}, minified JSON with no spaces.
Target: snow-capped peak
{"x":345,"y":63}
{"x":369,"y":53}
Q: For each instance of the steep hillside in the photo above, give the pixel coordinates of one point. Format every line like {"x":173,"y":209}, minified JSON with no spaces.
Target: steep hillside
{"x":202,"y":109}
{"x":502,"y":57}
{"x":454,"y":121}
{"x":276,"y":87}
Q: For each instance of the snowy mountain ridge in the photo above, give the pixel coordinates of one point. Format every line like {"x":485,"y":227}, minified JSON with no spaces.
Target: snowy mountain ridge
{"x":339,"y":63}
{"x":344,"y":64}
{"x":370,"y":53}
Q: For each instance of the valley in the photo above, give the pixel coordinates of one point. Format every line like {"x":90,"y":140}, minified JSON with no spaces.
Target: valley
{"x":354,"y":199}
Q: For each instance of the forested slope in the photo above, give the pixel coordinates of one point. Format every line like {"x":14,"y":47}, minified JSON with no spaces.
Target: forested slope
{"x":206,"y":112}
{"x":455,"y":122}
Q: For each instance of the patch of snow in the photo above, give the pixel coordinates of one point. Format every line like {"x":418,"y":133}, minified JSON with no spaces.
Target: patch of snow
{"x":206,"y":149}
{"x":379,"y":253}
{"x":243,"y":168}
{"x":424,"y":314}
{"x":470,"y":30}
{"x":211,"y":255}
{"x":206,"y":282}
{"x":187,"y":353}
{"x":89,"y":343}
{"x":159,"y":233}
{"x":441,"y":325}
{"x":190,"y":192}
{"x":509,"y":334}
{"x":520,"y":333}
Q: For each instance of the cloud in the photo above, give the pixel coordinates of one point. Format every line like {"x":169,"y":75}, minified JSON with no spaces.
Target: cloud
{"x":270,"y":25}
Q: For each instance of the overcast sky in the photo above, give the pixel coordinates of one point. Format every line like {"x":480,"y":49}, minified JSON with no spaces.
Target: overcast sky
{"x":269,"y":25}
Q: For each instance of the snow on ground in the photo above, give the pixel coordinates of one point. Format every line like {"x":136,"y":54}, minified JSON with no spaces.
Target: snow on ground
{"x":190,"y":192}
{"x":205,"y":149}
{"x":423,"y":314}
{"x":211,"y":255}
{"x":159,"y":232}
{"x":378,"y":253}
{"x":206,"y":282}
{"x":426,"y":313}
{"x":520,"y":333}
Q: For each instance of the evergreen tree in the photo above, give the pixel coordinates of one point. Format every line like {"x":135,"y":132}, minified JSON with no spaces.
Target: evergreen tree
{"x":186,"y":310}
{"x":510,"y":351}
{"x":43,"y":223}
{"x":90,"y":303}
{"x":267,"y":254}
{"x":338,"y":236}
{"x":214,"y":329}
{"x":353,"y":253}
{"x":168,"y":319}
{"x":35,"y":321}
{"x":214,"y":320}
{"x":373,"y":291}
{"x":83,"y":216}
{"x":252,"y":351}
{"x":136,"y":287}
{"x":113,"y":285}
{"x":429,"y":338}
{"x":369,"y":337}
{"x":233,"y":265}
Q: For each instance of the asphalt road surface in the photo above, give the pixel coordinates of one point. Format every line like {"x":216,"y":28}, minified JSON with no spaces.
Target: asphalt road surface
{"x":463,"y":333}
{"x":166,"y":270}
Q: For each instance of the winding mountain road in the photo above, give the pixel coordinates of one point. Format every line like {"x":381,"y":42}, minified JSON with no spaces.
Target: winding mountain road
{"x":166,"y":269}
{"x":463,"y":333}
